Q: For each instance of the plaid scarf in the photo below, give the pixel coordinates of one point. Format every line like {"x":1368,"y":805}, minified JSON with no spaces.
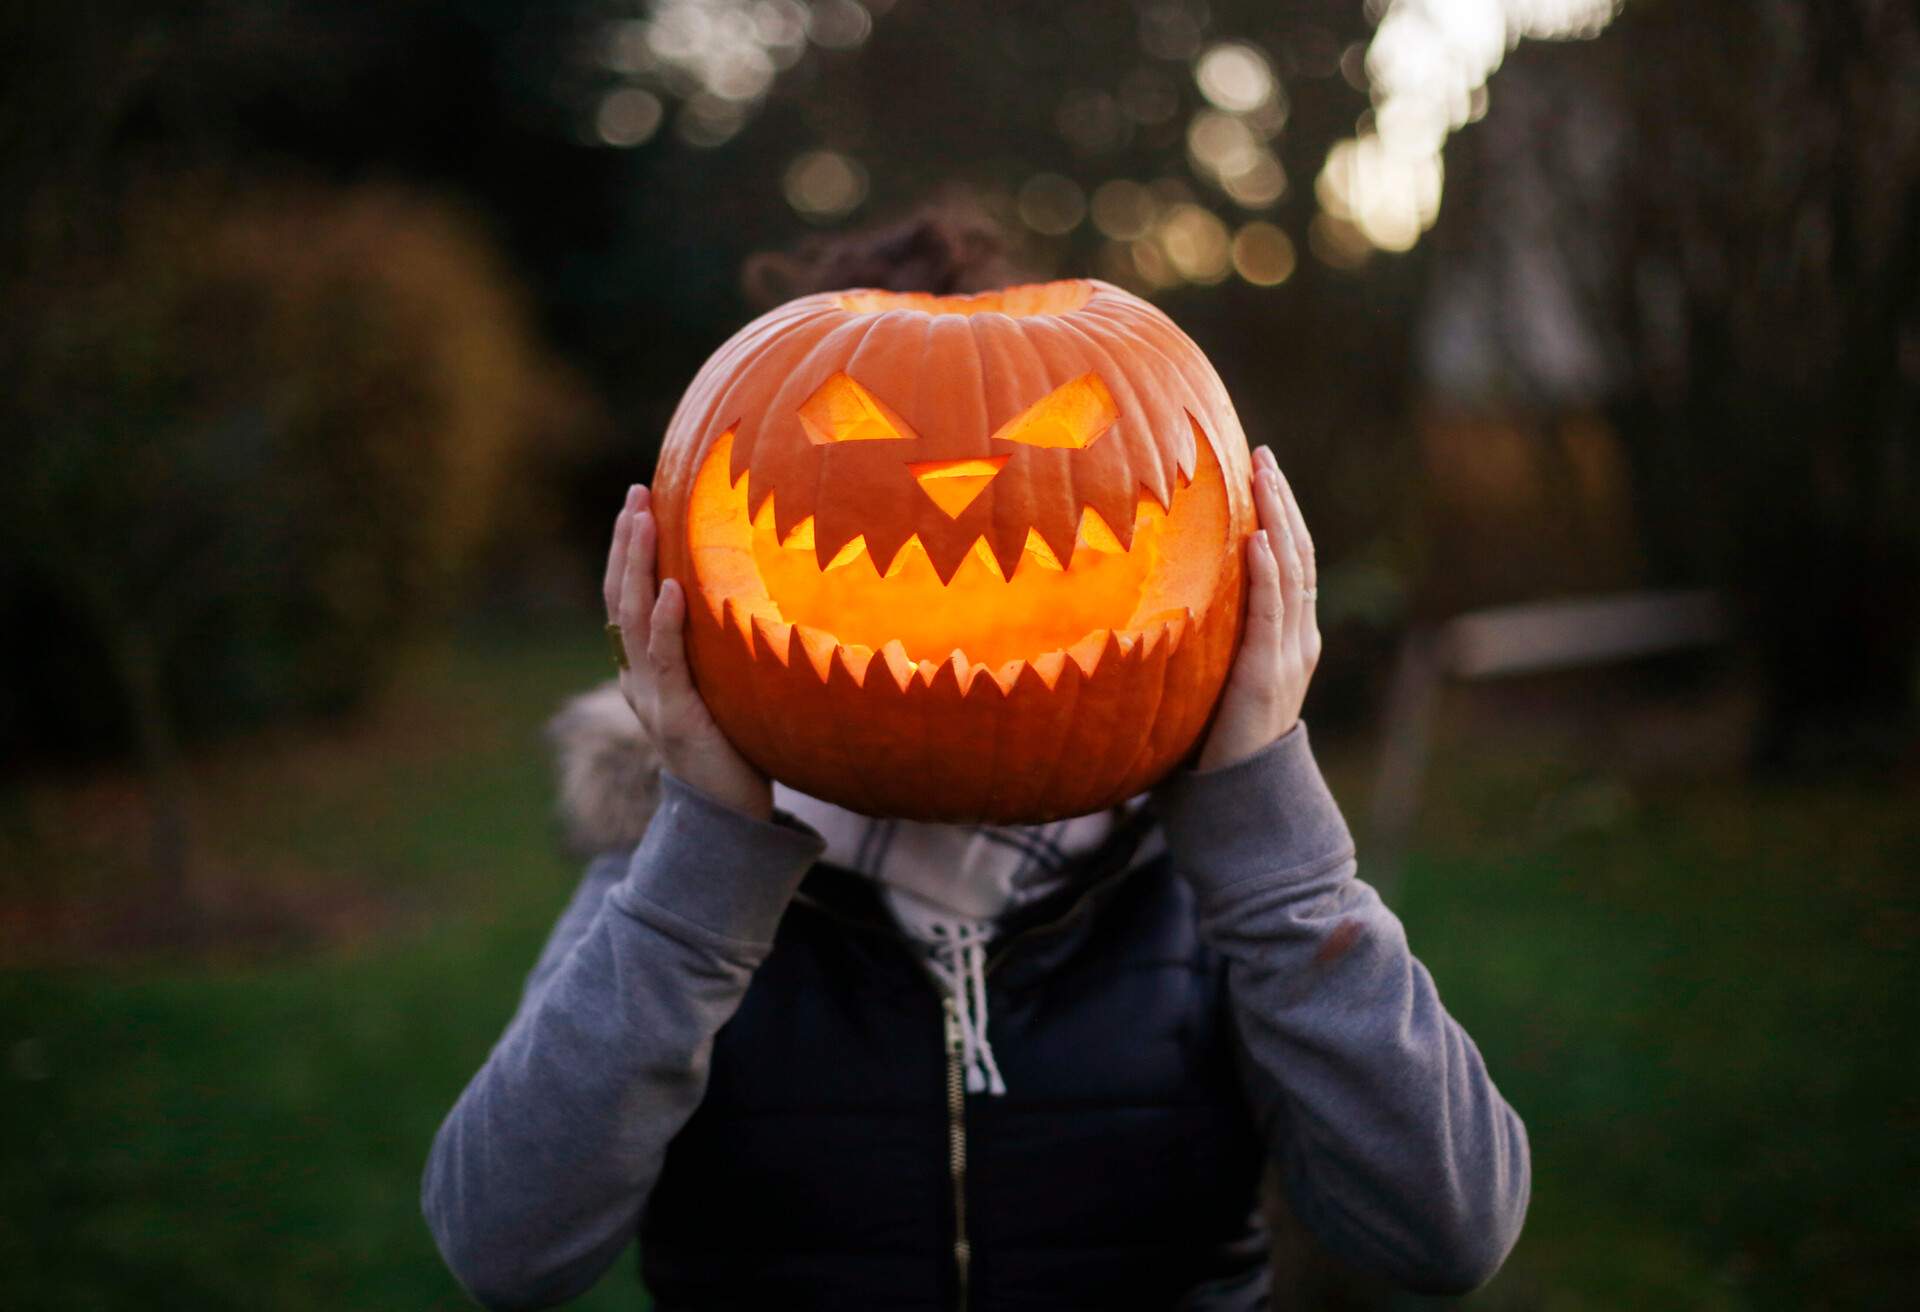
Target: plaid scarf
{"x":948,"y":885}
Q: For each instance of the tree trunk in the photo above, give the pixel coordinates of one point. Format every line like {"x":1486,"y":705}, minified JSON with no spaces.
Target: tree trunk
{"x":136,"y":659}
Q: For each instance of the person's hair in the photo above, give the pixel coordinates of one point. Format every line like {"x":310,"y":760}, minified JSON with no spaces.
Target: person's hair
{"x":944,"y":248}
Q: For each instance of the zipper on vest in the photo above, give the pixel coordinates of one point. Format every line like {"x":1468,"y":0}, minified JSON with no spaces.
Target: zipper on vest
{"x":957,"y":1146}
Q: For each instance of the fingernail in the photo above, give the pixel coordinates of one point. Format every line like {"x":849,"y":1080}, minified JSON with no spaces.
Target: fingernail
{"x":633,"y":494}
{"x":1266,"y":543}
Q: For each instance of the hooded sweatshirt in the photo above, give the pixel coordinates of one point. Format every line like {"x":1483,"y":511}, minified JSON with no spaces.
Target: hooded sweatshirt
{"x":1392,"y":1142}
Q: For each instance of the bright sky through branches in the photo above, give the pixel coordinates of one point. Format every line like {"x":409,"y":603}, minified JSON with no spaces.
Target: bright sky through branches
{"x":1427,"y":69}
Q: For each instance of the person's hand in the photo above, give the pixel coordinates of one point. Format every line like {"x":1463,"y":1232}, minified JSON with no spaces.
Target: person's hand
{"x":1281,"y":645}
{"x":657,"y":685}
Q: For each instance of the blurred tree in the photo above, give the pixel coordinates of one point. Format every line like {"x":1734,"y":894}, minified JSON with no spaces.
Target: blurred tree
{"x":1730,"y":194}
{"x":253,"y":435}
{"x":631,"y":154}
{"x":1098,"y":134}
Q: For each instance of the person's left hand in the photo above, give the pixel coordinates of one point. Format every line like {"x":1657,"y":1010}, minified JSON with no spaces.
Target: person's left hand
{"x":1281,"y":645}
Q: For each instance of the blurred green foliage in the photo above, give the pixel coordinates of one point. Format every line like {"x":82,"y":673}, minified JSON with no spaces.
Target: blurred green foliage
{"x":254,"y":435}
{"x":1697,"y":1002}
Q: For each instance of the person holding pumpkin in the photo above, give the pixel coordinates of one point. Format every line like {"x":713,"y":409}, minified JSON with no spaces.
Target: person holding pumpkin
{"x":812,"y":1057}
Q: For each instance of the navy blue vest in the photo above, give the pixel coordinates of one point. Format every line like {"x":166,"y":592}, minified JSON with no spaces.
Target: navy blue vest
{"x":1120,"y":1170}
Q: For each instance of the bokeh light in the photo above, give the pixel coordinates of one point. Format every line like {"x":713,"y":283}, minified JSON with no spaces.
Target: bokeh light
{"x":1259,"y":184}
{"x":1220,"y":145}
{"x":708,"y":120}
{"x":1263,"y":255}
{"x":628,"y":117}
{"x":1196,"y":243}
{"x":1426,"y":70}
{"x":1152,"y":265}
{"x":718,"y":58}
{"x":1124,"y":210}
{"x":1228,"y":139}
{"x":1560,"y":19}
{"x":824,"y":185}
{"x":1235,"y":77}
{"x":1337,"y":243}
{"x":781,"y":25}
{"x":1391,"y":197}
{"x":1051,"y":205}
{"x":839,"y":24}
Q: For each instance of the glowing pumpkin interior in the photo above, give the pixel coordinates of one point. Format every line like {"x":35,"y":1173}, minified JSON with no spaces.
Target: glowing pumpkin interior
{"x":985,"y":613}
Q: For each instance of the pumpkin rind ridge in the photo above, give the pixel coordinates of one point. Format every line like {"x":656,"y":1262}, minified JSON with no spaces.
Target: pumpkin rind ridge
{"x":950,"y":735}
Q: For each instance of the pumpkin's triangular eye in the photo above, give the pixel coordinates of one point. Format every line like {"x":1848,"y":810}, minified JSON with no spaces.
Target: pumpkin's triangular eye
{"x":840,"y":410}
{"x":1074,"y":414}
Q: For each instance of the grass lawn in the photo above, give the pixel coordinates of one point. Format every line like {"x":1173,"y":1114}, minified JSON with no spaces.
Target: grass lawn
{"x":1700,"y":996}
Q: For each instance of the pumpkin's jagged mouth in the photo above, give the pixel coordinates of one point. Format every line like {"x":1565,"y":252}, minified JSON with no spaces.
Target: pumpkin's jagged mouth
{"x":983,"y":619}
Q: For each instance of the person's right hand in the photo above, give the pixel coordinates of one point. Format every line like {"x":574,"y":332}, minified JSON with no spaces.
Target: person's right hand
{"x":657,"y":685}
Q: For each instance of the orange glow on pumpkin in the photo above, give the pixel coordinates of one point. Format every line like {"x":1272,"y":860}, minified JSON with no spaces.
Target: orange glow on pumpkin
{"x":953,"y":484}
{"x":959,"y":558}
{"x":1047,"y":606}
{"x":1074,"y":415}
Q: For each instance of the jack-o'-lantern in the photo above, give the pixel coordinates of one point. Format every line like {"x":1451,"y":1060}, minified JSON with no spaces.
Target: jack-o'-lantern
{"x":959,"y":557}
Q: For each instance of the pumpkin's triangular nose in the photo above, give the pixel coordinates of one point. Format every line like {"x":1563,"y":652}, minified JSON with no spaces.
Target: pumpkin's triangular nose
{"x":953,"y":484}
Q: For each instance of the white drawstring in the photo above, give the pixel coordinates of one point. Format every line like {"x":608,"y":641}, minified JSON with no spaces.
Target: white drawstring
{"x":949,"y":885}
{"x":959,"y":959}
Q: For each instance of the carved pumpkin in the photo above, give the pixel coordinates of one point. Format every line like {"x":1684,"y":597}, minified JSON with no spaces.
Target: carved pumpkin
{"x":959,"y":558}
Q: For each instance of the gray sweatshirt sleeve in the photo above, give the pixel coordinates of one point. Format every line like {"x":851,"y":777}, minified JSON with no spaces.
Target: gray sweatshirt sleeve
{"x":1393,"y":1144}
{"x":537,"y":1178}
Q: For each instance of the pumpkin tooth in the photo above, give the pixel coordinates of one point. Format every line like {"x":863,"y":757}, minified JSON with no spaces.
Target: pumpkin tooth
{"x":1152,"y":636}
{"x":1148,"y":511}
{"x":900,"y":665}
{"x":901,"y":558}
{"x":1184,"y":476}
{"x":849,"y":552}
{"x":1037,"y":548}
{"x":1007,"y":550}
{"x":1059,"y":545}
{"x":1095,"y":534}
{"x":946,"y":557}
{"x":737,"y":616}
{"x":984,"y":554}
{"x":1007,"y":674}
{"x":1086,"y":653}
{"x":787,"y":522}
{"x":1050,"y":666}
{"x":964,"y":670}
{"x":1177,"y":625}
{"x":857,"y":657}
{"x":819,"y":646}
{"x":764,"y":518}
{"x":801,"y":539}
{"x":1118,"y":508}
{"x":773,"y":634}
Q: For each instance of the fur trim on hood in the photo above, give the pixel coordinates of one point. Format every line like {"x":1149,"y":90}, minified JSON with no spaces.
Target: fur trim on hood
{"x":609,"y":771}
